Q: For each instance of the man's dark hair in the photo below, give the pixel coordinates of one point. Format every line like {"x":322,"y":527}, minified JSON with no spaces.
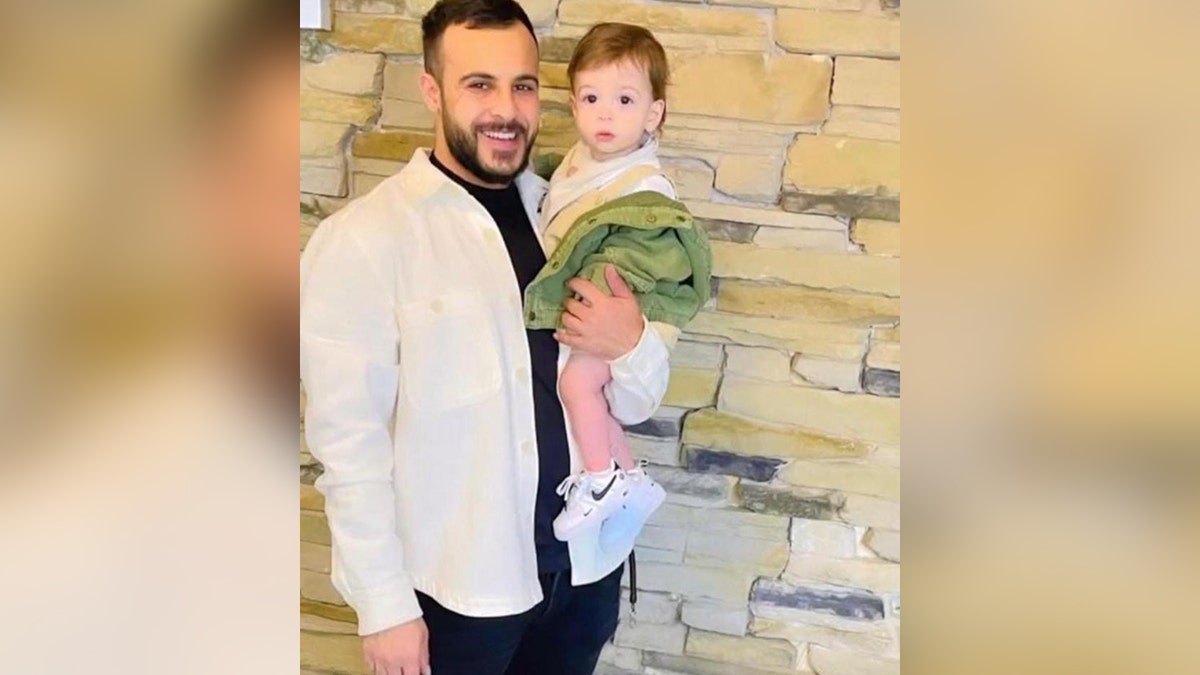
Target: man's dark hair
{"x":472,"y":14}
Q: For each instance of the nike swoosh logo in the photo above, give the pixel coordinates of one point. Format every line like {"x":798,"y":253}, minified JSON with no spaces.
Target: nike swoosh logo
{"x":600,"y":495}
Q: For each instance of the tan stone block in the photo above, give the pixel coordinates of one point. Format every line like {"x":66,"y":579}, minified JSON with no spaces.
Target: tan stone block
{"x":874,"y":575}
{"x":824,"y":538}
{"x":319,"y":624}
{"x":322,"y":139}
{"x":877,"y":237}
{"x":344,"y":73}
{"x":828,"y":373}
{"x":868,"y":418}
{"x":814,"y":339}
{"x":884,"y":352}
{"x":814,"y":32}
{"x":394,"y":145}
{"x":861,"y":478}
{"x":866,"y":82}
{"x":837,"y":662}
{"x":311,"y":499}
{"x":716,"y":617}
{"x":693,"y":179}
{"x":815,"y":240}
{"x":713,"y":146}
{"x":418,"y":8}
{"x":870,"y":512}
{"x":704,"y":549}
{"x":667,"y":639}
{"x":844,"y":165}
{"x":759,"y":216}
{"x":688,"y":354}
{"x":729,"y":585}
{"x":752,"y":177}
{"x":758,"y":363}
{"x":401,"y":80}
{"x":625,"y":658}
{"x":875,"y":639}
{"x":333,"y":653}
{"x":668,"y":664}
{"x":557,"y":130}
{"x":541,"y":12}
{"x":314,"y":528}
{"x":665,"y":19}
{"x":835,"y":5}
{"x":315,"y":557}
{"x":722,"y":431}
{"x":780,"y":89}
{"x":881,"y":124}
{"x":884,"y":543}
{"x":369,"y":6}
{"x":317,"y":586}
{"x":748,"y":651}
{"x":323,"y":176}
{"x":406,"y":115}
{"x":692,"y":388}
{"x":871,"y":274}
{"x":376,"y":33}
{"x":857,"y":309}
{"x":746,"y":524}
{"x":375,"y":167}
{"x":326,"y":107}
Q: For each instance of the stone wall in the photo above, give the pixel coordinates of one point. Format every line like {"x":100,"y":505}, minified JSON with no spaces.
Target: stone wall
{"x":778,"y":550}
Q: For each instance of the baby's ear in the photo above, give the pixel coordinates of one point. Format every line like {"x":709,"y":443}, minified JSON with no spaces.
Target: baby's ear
{"x":657,"y":110}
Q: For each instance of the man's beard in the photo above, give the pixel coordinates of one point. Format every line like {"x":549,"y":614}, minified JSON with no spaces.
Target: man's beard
{"x":464,"y":145}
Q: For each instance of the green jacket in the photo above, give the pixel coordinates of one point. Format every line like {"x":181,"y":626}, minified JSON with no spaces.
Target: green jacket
{"x":654,"y":244}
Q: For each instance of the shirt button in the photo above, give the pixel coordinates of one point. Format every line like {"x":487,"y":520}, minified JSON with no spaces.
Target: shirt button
{"x":527,"y":447}
{"x":491,"y":236}
{"x":522,"y":374}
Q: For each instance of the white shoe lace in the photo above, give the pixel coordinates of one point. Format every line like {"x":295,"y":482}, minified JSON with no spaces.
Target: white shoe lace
{"x":568,"y":484}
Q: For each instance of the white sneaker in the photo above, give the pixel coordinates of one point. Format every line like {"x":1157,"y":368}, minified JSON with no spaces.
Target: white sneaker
{"x":619,"y":532}
{"x":590,"y":499}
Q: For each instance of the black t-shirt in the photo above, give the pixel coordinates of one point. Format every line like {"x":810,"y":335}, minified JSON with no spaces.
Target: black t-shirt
{"x":554,"y":461}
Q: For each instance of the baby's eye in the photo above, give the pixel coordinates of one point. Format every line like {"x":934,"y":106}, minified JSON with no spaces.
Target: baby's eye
{"x":590,"y":98}
{"x":625,"y":100}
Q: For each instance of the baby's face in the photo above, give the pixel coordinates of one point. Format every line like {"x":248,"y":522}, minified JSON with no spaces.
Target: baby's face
{"x":614,"y":106}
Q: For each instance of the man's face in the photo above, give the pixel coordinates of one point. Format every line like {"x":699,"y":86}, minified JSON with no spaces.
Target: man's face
{"x":489,"y":103}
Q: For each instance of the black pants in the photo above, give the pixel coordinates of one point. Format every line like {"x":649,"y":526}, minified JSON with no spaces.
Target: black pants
{"x":561,"y":635}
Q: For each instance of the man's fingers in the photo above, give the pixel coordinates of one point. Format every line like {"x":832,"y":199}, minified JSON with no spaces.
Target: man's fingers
{"x":585,"y":289}
{"x":575,"y":307}
{"x":616,"y":283}
{"x":571,"y":323}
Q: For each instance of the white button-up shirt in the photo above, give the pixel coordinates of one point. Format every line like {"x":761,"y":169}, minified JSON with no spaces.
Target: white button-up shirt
{"x":414,"y":356}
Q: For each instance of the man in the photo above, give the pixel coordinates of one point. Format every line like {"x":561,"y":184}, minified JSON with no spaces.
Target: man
{"x":434,"y":411}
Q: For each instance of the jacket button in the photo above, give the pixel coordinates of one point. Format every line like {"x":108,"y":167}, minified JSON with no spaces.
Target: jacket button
{"x":651,"y":218}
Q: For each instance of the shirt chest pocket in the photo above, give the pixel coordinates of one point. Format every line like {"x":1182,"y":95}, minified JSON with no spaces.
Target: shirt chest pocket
{"x":449,"y":352}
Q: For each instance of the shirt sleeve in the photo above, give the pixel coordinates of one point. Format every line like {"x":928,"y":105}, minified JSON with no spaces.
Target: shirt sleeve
{"x":349,"y":364}
{"x":639,"y":378}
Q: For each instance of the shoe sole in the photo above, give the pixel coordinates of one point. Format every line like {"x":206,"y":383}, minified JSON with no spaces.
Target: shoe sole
{"x":593,"y":520}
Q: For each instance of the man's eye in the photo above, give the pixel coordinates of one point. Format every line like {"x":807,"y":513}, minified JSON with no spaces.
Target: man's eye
{"x":478,"y":85}
{"x":625,"y":100}
{"x":525,"y":87}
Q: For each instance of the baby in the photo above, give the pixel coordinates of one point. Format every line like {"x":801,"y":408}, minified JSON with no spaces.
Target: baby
{"x":609,"y":203}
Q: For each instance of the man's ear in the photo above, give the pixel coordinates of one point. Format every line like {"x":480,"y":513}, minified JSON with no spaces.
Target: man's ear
{"x":431,"y":93}
{"x":657,"y":110}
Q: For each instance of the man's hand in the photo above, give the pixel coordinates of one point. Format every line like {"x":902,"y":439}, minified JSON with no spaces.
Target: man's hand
{"x":607,"y":326}
{"x":399,"y":650}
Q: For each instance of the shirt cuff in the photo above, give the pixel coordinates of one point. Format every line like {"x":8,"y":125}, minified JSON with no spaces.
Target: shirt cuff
{"x":386,"y":609}
{"x":645,"y":357}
